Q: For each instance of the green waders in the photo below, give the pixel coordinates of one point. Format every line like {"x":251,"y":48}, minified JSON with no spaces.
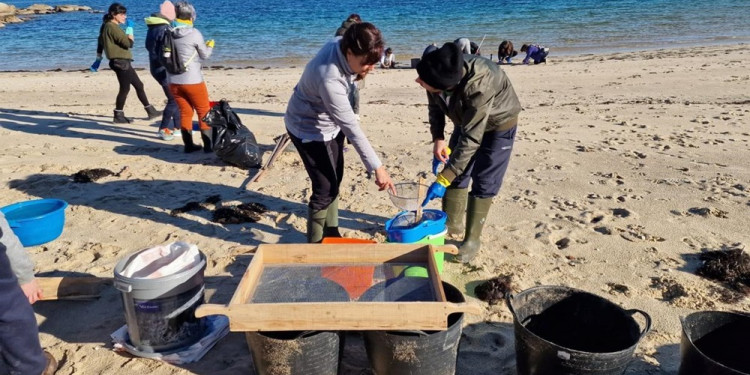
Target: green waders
{"x":476,"y":214}
{"x":323,"y":223}
{"x":454,"y":205}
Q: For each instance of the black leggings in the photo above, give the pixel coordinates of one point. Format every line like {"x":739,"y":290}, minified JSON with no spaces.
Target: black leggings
{"x":324,"y":162}
{"x":127,"y":76}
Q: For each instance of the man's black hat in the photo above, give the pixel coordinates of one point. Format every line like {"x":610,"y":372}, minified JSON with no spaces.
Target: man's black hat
{"x":442,"y":68}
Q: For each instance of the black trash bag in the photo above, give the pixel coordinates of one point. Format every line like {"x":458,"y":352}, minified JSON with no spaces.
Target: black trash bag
{"x":232,"y":141}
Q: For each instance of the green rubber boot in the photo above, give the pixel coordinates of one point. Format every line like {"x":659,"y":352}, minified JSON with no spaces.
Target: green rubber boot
{"x":316,"y":222}
{"x":476,"y":214}
{"x":454,"y":205}
{"x":332,"y":220}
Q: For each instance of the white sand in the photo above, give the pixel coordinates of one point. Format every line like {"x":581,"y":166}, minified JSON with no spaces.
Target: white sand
{"x":611,"y":154}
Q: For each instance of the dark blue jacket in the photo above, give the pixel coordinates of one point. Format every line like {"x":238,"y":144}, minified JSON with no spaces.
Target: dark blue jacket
{"x":536,"y":53}
{"x":157,"y":27}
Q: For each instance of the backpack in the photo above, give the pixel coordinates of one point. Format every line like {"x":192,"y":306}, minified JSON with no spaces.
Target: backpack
{"x":168,"y":55}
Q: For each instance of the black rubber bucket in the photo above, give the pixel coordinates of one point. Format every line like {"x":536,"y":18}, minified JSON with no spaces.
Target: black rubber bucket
{"x":417,"y":352}
{"x":295,"y":352}
{"x":716,"y":343}
{"x":561,"y":330}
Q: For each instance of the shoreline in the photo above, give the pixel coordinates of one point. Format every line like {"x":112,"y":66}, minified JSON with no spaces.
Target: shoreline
{"x":291,"y":63}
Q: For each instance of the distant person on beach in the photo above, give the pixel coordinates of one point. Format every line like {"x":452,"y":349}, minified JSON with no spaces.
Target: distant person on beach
{"x":189,"y":88}
{"x":464,"y":45}
{"x":505,"y":52}
{"x":116,"y":45}
{"x":319,"y":116}
{"x":158,"y":24}
{"x":475,"y":49}
{"x":480,"y":101}
{"x":353,"y":18}
{"x":20,"y":349}
{"x":388,"y":60}
{"x":535,"y":52}
{"x":468,"y":47}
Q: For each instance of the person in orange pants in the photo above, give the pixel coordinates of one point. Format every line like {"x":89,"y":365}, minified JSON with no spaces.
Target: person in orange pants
{"x":189,"y":88}
{"x":189,"y":98}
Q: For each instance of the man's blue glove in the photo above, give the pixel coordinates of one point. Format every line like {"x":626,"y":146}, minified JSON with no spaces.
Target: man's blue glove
{"x":436,"y":190}
{"x":129,"y":27}
{"x":95,"y":66}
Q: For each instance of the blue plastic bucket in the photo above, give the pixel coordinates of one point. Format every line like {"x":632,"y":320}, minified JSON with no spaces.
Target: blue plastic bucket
{"x":36,"y":222}
{"x":403,"y":229}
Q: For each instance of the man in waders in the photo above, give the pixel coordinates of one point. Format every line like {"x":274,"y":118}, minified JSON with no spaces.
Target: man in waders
{"x":480,"y":101}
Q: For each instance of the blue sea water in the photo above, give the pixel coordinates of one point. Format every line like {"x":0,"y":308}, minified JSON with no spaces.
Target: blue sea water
{"x":289,"y":32}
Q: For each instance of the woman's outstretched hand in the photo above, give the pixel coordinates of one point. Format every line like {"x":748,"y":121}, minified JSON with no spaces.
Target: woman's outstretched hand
{"x":383,"y":180}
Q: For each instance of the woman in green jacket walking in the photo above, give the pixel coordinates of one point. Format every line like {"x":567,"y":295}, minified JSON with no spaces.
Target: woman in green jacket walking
{"x":116,"y":45}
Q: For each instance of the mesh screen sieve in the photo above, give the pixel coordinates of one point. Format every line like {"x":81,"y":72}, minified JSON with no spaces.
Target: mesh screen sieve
{"x":341,"y":283}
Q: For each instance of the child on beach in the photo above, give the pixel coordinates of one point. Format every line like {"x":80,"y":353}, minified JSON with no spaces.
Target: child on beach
{"x":535,"y":52}
{"x":158,"y":24}
{"x":116,"y":45}
{"x":189,"y":88}
{"x":388,"y":60}
{"x":505,"y":52}
{"x":19,"y":334}
{"x":319,"y":116}
{"x":480,"y":101}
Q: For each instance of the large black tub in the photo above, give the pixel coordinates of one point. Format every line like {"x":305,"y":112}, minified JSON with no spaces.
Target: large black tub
{"x":715,"y":343}
{"x":565,"y":331}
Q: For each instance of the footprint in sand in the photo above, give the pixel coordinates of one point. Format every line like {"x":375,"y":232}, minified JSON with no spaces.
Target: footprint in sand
{"x":707,"y":211}
{"x":636,"y":233}
{"x":487,"y":348}
{"x":524,"y":201}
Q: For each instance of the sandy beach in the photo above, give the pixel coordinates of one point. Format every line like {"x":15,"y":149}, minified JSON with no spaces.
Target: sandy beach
{"x":625,"y":168}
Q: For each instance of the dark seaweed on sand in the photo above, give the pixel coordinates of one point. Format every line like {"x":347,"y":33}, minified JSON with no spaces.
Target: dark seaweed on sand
{"x":243,"y":213}
{"x":670,"y":289}
{"x":90,"y":175}
{"x":255,"y":207}
{"x":207,"y":204}
{"x":189,"y":206}
{"x":729,"y":267}
{"x":213,"y":199}
{"x":494,"y":290}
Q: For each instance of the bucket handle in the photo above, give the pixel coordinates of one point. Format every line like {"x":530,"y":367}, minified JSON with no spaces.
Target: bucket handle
{"x":647,"y":317}
{"x":187,"y":304}
{"x":122,"y":286}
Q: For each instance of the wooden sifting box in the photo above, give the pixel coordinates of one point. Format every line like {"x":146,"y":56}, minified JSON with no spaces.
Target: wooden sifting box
{"x":299,"y":287}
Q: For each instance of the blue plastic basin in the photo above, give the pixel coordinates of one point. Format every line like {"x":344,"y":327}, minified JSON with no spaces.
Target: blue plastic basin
{"x":36,"y":222}
{"x":403,"y":229}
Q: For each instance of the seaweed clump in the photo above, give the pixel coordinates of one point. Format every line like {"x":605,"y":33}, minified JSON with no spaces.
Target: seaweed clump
{"x":207,"y":204}
{"x":93,"y":174}
{"x":729,"y":267}
{"x":494,"y":290}
{"x":670,"y":289}
{"x":243,"y":213}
